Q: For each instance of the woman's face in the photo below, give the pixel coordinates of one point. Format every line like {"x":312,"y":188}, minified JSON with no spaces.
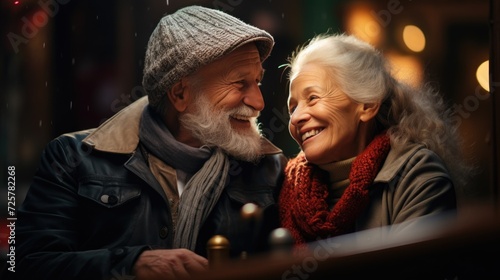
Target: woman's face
{"x":324,"y":121}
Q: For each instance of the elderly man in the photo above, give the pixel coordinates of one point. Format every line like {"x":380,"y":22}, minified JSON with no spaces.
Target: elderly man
{"x":143,"y":193}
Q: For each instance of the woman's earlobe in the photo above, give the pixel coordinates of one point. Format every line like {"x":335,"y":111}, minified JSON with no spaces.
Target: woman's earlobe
{"x":369,"y":111}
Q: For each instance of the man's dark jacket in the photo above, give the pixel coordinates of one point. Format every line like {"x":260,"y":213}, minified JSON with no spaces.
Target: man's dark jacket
{"x":94,"y":205}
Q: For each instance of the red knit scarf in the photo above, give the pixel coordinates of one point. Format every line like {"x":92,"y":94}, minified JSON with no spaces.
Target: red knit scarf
{"x":303,"y":200}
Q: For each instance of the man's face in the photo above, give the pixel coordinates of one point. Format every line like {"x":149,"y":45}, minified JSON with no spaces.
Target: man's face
{"x":227,"y":101}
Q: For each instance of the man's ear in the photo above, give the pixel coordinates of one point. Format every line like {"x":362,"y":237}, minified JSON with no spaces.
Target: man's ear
{"x":178,"y":96}
{"x":368,"y":111}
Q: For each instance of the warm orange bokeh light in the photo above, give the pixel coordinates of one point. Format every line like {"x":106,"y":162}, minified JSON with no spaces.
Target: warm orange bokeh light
{"x":414,"y":38}
{"x":361,"y":23}
{"x":482,"y":75}
{"x":406,"y":68}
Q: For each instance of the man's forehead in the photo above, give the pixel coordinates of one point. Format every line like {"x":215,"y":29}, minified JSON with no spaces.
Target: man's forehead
{"x":247,"y":51}
{"x":242,"y":59}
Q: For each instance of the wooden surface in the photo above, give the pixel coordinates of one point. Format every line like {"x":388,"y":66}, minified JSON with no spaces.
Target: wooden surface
{"x":468,"y":248}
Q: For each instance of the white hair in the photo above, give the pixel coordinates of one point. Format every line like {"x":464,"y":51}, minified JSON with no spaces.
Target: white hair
{"x":212,"y":128}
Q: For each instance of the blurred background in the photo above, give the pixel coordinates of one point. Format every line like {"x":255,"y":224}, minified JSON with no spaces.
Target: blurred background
{"x":70,"y":64}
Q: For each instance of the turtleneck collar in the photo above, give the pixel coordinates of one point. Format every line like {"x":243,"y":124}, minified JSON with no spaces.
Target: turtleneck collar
{"x":338,"y":170}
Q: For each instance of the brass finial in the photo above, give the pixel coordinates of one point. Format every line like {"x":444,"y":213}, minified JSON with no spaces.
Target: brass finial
{"x":217,"y":250}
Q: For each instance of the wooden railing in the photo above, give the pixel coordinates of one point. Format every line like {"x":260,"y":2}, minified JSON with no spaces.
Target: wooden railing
{"x":438,"y":248}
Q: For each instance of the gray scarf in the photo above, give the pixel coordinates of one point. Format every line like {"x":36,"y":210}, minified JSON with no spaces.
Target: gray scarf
{"x":202,"y":191}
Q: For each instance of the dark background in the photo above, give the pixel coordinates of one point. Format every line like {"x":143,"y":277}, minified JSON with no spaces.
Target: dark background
{"x":70,"y":64}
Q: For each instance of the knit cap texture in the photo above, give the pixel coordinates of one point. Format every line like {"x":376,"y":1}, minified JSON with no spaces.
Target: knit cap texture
{"x":192,"y":37}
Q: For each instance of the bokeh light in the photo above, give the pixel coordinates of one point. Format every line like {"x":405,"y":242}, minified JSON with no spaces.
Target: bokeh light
{"x":482,"y":75}
{"x":406,"y":68}
{"x":414,"y":38}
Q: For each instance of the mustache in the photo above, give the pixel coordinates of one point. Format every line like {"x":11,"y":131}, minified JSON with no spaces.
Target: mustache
{"x":245,"y":111}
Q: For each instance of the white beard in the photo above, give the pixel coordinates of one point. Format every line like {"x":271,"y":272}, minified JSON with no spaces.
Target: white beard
{"x":213,"y":128}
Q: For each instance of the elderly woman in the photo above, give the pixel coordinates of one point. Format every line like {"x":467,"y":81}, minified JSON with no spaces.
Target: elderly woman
{"x":375,"y":152}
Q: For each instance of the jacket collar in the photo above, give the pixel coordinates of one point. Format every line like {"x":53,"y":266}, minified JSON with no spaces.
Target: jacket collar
{"x":120,"y":133}
{"x":395,"y":161}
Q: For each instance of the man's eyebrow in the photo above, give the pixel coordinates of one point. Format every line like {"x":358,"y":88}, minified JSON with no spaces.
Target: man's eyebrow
{"x":247,"y":73}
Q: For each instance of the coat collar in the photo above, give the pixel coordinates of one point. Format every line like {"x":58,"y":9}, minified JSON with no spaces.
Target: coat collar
{"x":120,"y":133}
{"x":395,"y":161}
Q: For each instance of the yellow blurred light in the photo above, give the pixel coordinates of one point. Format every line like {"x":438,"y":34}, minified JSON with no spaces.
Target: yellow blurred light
{"x":406,"y":68}
{"x":414,"y":38}
{"x":482,"y":75}
{"x":361,"y":23}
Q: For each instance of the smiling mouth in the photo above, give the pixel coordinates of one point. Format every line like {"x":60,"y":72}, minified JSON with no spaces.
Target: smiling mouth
{"x":241,"y":118}
{"x":310,"y":134}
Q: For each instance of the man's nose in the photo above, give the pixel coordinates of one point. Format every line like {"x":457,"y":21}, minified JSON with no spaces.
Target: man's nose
{"x":253,"y":98}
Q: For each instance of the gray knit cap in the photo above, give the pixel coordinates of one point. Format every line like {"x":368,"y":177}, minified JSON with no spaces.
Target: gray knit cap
{"x":190,"y":38}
